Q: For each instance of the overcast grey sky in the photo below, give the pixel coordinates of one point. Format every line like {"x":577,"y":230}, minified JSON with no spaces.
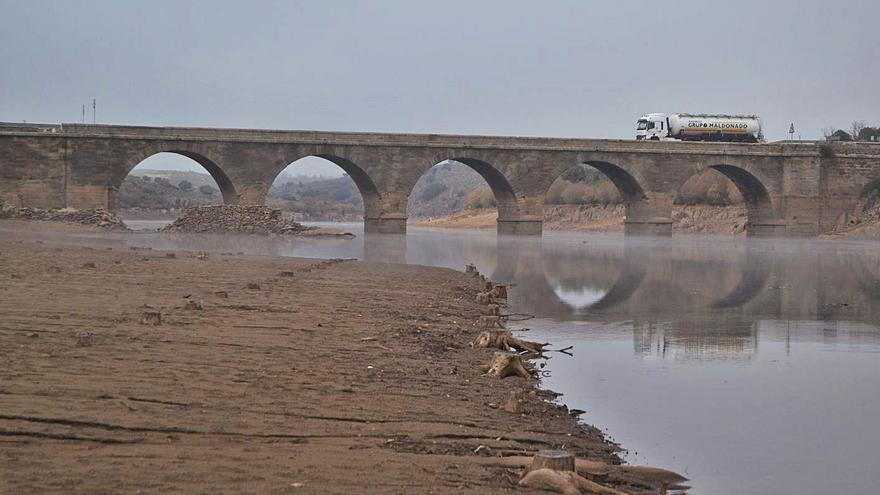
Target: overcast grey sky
{"x":550,"y":68}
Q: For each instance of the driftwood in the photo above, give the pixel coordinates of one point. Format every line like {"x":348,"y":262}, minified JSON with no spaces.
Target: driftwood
{"x":505,"y":340}
{"x":506,"y":364}
{"x":661,"y":479}
{"x":565,"y":482}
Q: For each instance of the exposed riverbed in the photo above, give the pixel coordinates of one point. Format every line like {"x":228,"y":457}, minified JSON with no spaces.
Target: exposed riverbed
{"x":749,"y":365}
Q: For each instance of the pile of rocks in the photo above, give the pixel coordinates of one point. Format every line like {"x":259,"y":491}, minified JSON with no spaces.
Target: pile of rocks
{"x":97,"y":218}
{"x":236,"y":219}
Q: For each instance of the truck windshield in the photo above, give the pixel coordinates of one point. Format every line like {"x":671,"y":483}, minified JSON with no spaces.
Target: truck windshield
{"x":643,"y":124}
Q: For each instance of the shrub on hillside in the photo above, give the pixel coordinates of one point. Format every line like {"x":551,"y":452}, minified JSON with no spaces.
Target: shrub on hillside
{"x":433,"y":190}
{"x":481,"y":197}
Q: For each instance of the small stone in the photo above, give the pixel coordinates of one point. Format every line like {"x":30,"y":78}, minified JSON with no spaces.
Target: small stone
{"x":170,"y":255}
{"x":222,"y":294}
{"x":84,"y":339}
{"x":252,"y":286}
{"x":151,"y":317}
{"x":193,"y":305}
{"x":90,"y":264}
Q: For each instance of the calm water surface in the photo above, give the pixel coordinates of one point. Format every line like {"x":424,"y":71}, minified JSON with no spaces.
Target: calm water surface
{"x":751,"y":366}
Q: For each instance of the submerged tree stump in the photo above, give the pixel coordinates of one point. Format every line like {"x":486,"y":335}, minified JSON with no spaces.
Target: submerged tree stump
{"x":151,"y":317}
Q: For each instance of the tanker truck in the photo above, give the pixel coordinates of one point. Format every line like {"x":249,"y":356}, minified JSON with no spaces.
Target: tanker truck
{"x":699,"y":127}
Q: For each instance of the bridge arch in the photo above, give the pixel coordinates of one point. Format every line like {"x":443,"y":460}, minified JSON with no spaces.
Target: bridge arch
{"x":505,"y":197}
{"x":362,"y":180}
{"x":760,"y":210}
{"x":631,"y":193}
{"x":120,"y":172}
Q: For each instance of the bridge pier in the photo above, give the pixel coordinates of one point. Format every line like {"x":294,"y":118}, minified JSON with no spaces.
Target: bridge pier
{"x":389,"y":224}
{"x":651,"y":227}
{"x":526,"y":226}
{"x":767,"y":229}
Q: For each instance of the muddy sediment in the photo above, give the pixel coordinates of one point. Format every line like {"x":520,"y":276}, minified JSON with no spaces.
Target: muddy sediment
{"x":305,"y":376}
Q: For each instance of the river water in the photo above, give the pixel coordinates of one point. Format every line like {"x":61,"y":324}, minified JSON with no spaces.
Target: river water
{"x":749,"y":365}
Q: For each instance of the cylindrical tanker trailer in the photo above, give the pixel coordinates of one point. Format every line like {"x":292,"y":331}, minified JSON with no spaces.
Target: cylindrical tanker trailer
{"x":699,"y":127}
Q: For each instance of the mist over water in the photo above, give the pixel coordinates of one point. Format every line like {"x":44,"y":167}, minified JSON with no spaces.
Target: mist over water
{"x":749,"y":365}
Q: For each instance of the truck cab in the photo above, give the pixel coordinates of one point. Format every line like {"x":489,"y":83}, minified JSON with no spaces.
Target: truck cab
{"x":653,"y":126}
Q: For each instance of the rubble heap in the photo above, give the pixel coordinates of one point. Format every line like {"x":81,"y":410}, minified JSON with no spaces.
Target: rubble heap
{"x":237,"y":219}
{"x":97,"y":218}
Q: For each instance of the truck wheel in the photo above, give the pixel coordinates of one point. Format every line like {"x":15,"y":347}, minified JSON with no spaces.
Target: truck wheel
{"x":655,"y":138}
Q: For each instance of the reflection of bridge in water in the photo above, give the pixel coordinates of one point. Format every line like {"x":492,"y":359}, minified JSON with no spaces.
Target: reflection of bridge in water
{"x":703,"y":300}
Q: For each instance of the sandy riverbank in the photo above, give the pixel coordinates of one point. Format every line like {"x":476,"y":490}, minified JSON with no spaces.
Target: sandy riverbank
{"x":335,"y":377}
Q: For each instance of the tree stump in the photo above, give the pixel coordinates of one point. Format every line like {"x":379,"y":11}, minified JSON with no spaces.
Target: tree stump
{"x":491,"y":340}
{"x":513,"y":403}
{"x":151,"y":317}
{"x":499,"y":291}
{"x":505,"y":340}
{"x":483,"y":299}
{"x":505,"y":364}
{"x":490,"y":322}
{"x":492,"y":310}
{"x":557,"y":460}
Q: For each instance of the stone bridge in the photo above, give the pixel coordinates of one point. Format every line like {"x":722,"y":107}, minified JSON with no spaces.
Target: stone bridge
{"x":789,"y":188}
